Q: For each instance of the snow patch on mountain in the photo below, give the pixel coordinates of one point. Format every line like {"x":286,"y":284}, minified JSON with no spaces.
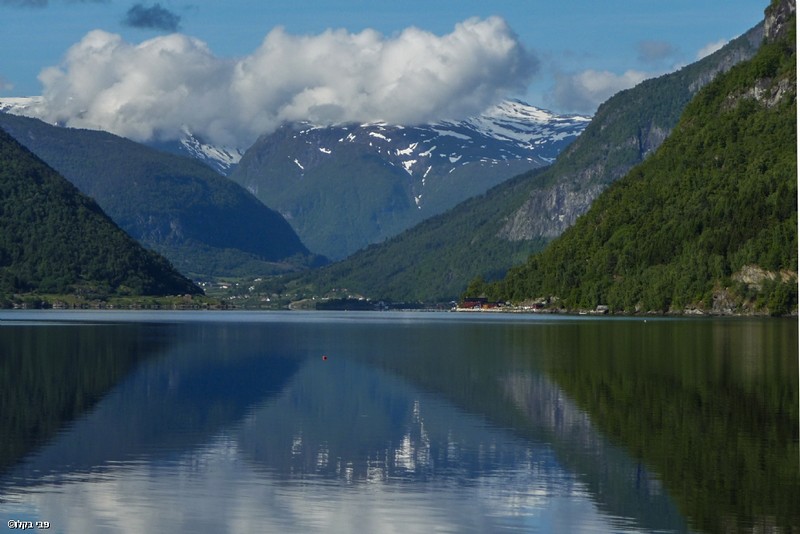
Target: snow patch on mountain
{"x":407,"y":151}
{"x":450,"y":133}
{"x":220,"y":158}
{"x":379,"y":136}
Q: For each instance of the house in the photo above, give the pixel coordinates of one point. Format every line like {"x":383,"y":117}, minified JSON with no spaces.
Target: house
{"x":474,"y":303}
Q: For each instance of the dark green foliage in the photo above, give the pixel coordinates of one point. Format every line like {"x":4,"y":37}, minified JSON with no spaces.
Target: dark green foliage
{"x":53,"y":239}
{"x":719,"y":195}
{"x":201,"y":221}
{"x":433,"y":260}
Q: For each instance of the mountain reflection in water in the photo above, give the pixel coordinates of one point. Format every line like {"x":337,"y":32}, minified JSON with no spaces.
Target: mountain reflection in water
{"x":414,"y":423}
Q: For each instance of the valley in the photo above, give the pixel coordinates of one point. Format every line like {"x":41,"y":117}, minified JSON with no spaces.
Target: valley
{"x":422,"y":213}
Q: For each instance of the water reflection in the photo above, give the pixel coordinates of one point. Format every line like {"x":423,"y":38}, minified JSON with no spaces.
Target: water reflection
{"x":426,"y":423}
{"x":712,"y":406}
{"x":50,"y":377}
{"x":204,"y":381}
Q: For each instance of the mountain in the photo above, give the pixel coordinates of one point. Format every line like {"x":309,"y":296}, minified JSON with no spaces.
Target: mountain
{"x":206,"y":225}
{"x":346,"y":186}
{"x":56,"y":240}
{"x":625,"y":130}
{"x":709,"y":221}
{"x":486,"y":235}
{"x":222,"y":159}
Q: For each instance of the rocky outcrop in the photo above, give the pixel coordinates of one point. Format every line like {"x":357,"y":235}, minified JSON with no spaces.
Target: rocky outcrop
{"x":754,"y":38}
{"x":754,"y":276}
{"x":548,"y":213}
{"x":770,"y":93}
{"x":625,"y":130}
{"x":777,"y":15}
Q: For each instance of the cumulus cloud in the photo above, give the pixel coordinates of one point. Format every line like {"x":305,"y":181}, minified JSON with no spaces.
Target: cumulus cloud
{"x":583,"y":92}
{"x":710,"y":48}
{"x":153,"y":89}
{"x":154,"y":17}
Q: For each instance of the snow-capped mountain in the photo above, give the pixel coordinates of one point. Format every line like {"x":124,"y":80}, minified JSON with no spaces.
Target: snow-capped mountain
{"x":511,"y":130}
{"x":222,"y":159}
{"x":530,"y":128}
{"x":343,"y":187}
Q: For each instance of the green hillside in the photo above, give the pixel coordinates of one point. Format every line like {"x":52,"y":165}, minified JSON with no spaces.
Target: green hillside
{"x":53,"y":239}
{"x":708,"y":222}
{"x":206,"y":225}
{"x":431,"y":261}
{"x":344,"y":187}
{"x":486,"y":235}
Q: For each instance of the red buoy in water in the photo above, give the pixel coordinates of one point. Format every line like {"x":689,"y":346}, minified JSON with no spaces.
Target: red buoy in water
{"x":324,"y":358}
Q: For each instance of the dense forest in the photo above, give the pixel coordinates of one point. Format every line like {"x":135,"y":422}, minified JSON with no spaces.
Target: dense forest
{"x":707,"y":222}
{"x":54,"y":239}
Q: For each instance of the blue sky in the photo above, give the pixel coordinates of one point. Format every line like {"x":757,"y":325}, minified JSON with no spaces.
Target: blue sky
{"x":567,"y":56}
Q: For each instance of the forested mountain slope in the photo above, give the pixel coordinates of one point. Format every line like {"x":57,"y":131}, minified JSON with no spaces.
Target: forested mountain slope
{"x":202,"y":222}
{"x":708,"y":222}
{"x":486,"y":235}
{"x":53,"y":239}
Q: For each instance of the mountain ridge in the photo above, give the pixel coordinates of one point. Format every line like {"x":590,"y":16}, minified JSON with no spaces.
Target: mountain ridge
{"x":346,"y":186}
{"x":55,"y":239}
{"x":205,"y":224}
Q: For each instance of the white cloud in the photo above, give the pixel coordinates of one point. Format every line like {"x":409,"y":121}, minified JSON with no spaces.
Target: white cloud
{"x":152,"y":89}
{"x":710,"y":48}
{"x":583,"y":92}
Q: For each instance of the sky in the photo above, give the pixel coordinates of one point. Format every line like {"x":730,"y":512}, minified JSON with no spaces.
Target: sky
{"x":230,"y":71}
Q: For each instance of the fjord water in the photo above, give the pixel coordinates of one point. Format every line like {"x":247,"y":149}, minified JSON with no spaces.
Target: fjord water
{"x":394,"y":422}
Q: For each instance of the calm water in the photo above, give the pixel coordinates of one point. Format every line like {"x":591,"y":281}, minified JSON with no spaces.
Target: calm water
{"x":314,"y":422}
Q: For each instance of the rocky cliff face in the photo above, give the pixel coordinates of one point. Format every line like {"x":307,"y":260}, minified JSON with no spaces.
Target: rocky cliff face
{"x":777,"y":15}
{"x":549,"y":213}
{"x":625,"y":130}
